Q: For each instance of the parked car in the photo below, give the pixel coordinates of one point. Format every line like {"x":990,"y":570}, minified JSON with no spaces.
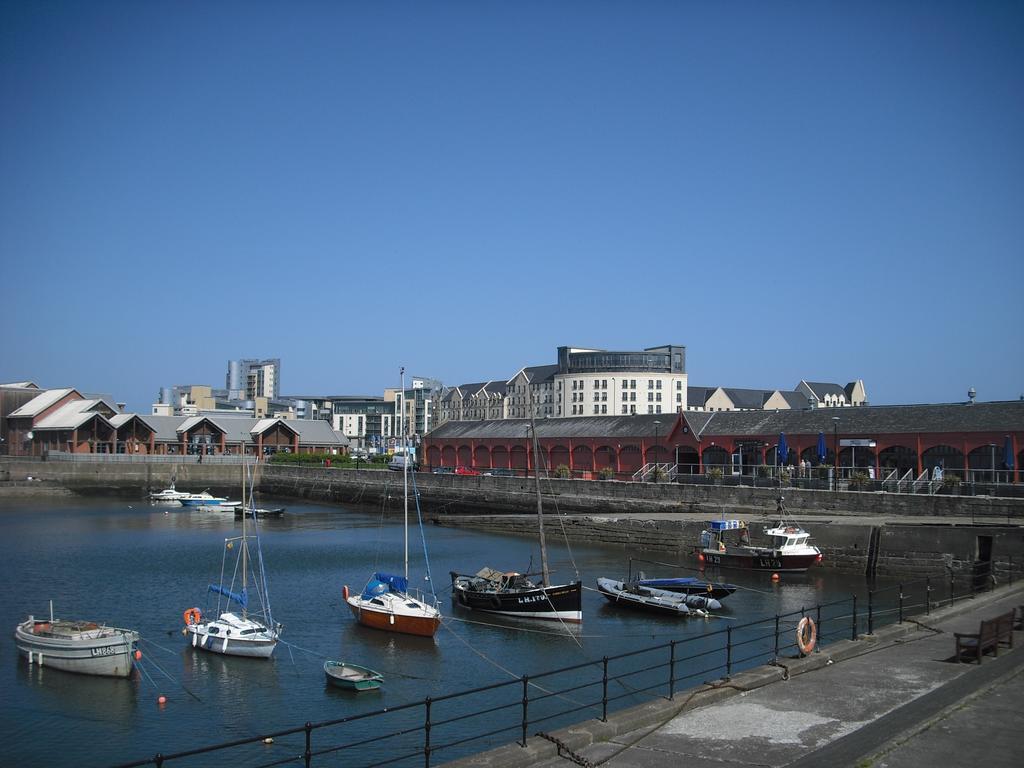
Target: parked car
{"x":443,"y":470}
{"x":460,"y":470}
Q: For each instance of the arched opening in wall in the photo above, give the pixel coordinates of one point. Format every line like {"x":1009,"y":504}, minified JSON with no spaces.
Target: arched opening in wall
{"x":559,"y":455}
{"x":630,"y":459}
{"x":517,"y":457}
{"x":716,"y":457}
{"x":859,"y":458}
{"x":812,"y":457}
{"x":448,"y":456}
{"x":499,"y":457}
{"x":433,"y":456}
{"x":687,"y":460}
{"x":604,"y":457}
{"x":465,"y":456}
{"x":898,"y":457}
{"x":986,"y":464}
{"x":582,"y":458}
{"x":482,"y":457}
{"x":946,"y":457}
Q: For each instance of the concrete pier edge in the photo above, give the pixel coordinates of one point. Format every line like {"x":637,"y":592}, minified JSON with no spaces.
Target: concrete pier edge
{"x":874,"y":736}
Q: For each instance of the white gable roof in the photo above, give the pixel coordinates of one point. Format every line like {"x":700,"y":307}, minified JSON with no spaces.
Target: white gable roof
{"x":41,"y":402}
{"x":70,"y":415}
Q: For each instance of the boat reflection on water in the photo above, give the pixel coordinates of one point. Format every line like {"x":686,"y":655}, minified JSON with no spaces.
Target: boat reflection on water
{"x":85,"y":697}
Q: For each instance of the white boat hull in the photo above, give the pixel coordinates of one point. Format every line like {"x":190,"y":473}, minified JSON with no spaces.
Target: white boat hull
{"x":225,"y":636}
{"x":93,"y":650}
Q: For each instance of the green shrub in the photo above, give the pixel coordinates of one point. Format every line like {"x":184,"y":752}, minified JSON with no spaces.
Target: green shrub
{"x":562,"y":471}
{"x":715,"y":473}
{"x":950,"y":480}
{"x":606,"y":473}
{"x":860,"y":480}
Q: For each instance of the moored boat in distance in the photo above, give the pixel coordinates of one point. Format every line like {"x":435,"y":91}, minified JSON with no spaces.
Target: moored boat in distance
{"x":169,"y":494}
{"x":727,"y":543}
{"x":84,"y":647}
{"x":198,"y":499}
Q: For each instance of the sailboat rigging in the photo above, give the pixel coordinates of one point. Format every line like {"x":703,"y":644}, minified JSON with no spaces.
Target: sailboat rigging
{"x":238,"y":633}
{"x":385,"y":602}
{"x":514,"y":594}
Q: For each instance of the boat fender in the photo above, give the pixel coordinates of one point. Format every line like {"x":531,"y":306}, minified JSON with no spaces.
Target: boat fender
{"x":495,"y":602}
{"x":138,"y":655}
{"x":806,"y":635}
{"x":193,"y":616}
{"x":344,"y":591}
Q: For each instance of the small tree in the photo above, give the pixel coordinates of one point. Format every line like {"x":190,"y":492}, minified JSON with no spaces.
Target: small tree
{"x":715,"y":474}
{"x":562,"y":471}
{"x":950,"y":481}
{"x":606,"y":473}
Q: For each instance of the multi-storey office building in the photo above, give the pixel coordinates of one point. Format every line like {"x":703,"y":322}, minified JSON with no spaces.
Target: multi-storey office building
{"x":248,"y":379}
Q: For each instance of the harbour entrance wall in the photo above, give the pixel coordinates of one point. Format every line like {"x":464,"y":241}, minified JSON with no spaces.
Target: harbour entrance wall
{"x":897,"y":534}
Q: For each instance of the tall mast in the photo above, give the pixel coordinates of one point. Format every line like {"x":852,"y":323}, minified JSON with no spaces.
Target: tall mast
{"x":405,"y":472}
{"x":245,"y":544}
{"x":545,"y":575}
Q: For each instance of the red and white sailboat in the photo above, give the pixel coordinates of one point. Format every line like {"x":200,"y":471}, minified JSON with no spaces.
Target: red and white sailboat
{"x":385,"y":602}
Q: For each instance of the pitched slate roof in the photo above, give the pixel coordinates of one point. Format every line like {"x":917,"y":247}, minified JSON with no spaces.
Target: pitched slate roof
{"x":796,"y":400}
{"x":571,"y":427}
{"x":264,"y":424}
{"x":867,"y":421}
{"x":538,"y":374}
{"x":495,"y":388}
{"x":864,"y":420}
{"x":698,"y":396}
{"x":748,"y":398}
{"x":823,"y":388}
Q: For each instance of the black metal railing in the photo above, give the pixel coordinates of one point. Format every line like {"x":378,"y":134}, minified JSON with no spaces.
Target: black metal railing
{"x":468,"y":721}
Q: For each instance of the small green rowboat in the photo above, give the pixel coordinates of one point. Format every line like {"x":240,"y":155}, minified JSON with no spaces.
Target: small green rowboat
{"x":352,"y":677}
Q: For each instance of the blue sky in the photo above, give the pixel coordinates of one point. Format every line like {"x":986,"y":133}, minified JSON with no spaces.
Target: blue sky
{"x":795,"y":190}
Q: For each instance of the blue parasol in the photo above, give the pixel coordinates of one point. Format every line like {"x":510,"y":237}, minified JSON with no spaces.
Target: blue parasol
{"x":822,"y":453}
{"x":1008,"y":457}
{"x":783,"y":450}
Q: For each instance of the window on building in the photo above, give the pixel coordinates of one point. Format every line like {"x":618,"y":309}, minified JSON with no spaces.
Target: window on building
{"x":658,"y":384}
{"x":679,"y":397}
{"x":679,"y":385}
{"x":658,"y":398}
{"x":625,"y":396}
{"x":632,"y":383}
{"x":632,"y":409}
{"x":657,"y":409}
{"x":650,"y":397}
{"x":650,"y":384}
{"x":604,"y":409}
{"x":650,"y":409}
{"x":632,"y":396}
{"x":604,"y":383}
{"x":597,"y":409}
{"x":625,"y":409}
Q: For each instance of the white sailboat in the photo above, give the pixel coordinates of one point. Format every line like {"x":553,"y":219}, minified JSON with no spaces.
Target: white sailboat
{"x":237,"y":632}
{"x":385,"y":602}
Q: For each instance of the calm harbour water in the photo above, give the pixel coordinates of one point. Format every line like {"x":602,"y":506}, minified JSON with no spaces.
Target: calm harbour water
{"x":137,"y":565}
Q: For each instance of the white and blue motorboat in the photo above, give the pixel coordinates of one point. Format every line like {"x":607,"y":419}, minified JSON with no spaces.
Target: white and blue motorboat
{"x":204,"y":499}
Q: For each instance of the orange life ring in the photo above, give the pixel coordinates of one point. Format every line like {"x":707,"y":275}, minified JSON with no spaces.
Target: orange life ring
{"x":193,"y":616}
{"x":806,"y":635}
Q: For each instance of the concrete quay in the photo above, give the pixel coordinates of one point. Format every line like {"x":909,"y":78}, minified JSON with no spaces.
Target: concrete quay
{"x":895,"y":699}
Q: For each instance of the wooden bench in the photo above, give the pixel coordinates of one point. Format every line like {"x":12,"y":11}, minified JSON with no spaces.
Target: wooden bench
{"x":991,"y":633}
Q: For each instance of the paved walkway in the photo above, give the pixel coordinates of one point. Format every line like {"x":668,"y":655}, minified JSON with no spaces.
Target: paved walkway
{"x":897,"y":700}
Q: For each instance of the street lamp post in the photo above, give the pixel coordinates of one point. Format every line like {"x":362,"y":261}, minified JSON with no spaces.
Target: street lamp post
{"x":835,"y":448}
